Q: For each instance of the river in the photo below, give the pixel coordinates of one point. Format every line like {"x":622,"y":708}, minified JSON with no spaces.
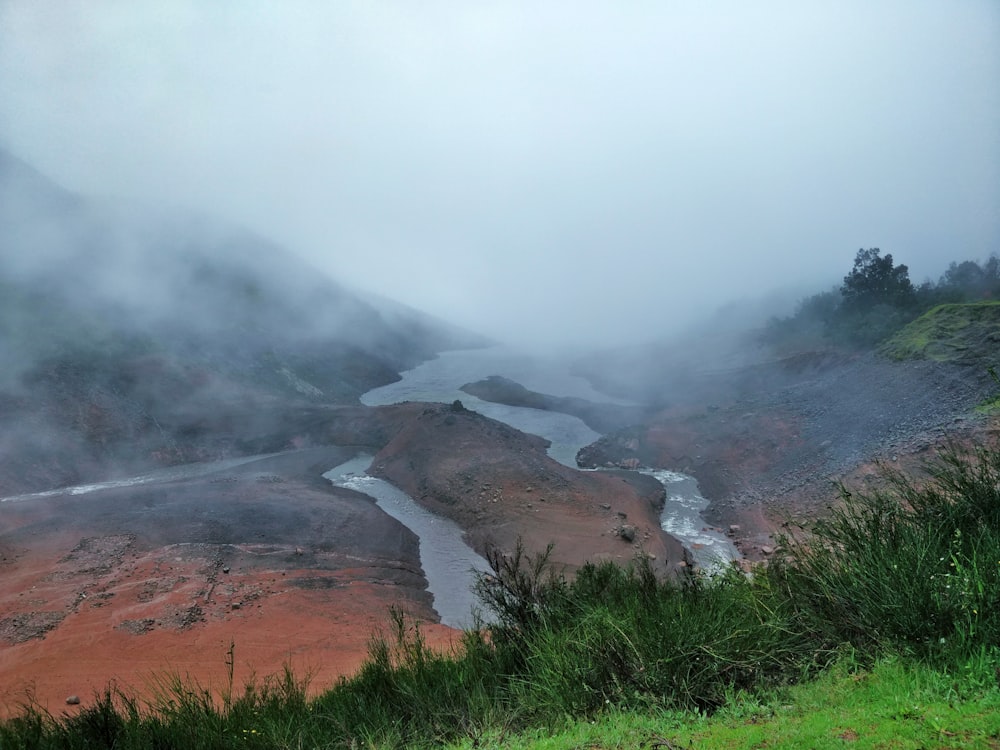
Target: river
{"x":448,"y":563}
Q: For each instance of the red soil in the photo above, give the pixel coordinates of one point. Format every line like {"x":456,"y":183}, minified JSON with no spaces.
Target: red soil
{"x":134,"y":584}
{"x":131,"y":586}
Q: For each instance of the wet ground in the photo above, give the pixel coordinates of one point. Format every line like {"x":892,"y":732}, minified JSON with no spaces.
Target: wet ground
{"x":131,"y":583}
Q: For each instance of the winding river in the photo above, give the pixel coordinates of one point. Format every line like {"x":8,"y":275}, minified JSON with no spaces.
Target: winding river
{"x":448,"y":563}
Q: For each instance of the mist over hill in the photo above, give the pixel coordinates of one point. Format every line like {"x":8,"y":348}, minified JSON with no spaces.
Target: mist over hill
{"x":124,"y":329}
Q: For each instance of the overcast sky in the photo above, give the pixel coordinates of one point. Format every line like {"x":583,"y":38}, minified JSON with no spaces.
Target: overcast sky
{"x":542,"y":170}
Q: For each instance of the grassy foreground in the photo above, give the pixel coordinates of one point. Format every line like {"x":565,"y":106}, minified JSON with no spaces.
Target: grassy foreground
{"x":878,"y":628}
{"x":894,"y":705}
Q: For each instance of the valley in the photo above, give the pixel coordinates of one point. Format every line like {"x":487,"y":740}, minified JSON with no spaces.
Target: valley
{"x":202,"y":416}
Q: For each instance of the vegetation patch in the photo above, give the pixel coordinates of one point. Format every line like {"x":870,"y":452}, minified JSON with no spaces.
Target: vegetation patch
{"x":877,"y":301}
{"x":948,"y":333}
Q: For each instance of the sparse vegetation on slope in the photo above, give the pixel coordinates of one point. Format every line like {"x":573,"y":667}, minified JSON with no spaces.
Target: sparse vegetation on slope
{"x":949,"y":333}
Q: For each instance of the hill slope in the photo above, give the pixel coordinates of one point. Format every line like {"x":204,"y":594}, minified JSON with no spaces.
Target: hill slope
{"x":132,"y":338}
{"x":961,"y":333}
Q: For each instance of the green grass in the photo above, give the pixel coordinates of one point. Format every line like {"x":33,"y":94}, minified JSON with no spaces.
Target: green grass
{"x":947,"y":333}
{"x":893,"y":705}
{"x":878,"y":628}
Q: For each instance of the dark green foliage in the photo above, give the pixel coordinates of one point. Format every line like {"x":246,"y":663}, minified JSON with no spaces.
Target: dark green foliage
{"x":876,"y":281}
{"x":407,"y":695}
{"x":621,"y":636}
{"x":969,"y":281}
{"x":876,"y":300}
{"x":522,"y":590}
{"x":913,"y":568}
{"x":807,"y":325}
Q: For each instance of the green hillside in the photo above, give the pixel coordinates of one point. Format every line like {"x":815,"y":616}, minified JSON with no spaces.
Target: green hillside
{"x":949,"y":333}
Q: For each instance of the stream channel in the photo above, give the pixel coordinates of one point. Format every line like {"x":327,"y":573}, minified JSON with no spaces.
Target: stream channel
{"x":449,"y":563}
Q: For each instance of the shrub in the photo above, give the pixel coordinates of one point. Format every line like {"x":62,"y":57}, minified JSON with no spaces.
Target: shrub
{"x":914,"y":567}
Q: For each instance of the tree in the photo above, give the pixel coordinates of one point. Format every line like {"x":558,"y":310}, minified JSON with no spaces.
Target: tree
{"x":874,"y":281}
{"x":970,"y":281}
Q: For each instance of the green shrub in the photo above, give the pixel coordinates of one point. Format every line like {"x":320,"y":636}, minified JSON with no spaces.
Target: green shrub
{"x":914,"y":567}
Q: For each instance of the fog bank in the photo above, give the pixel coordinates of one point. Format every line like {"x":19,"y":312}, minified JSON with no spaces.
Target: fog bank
{"x":545,"y":174}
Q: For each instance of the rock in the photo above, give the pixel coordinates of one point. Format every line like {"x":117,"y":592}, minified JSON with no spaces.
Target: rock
{"x":627,"y":532}
{"x":237,"y":605}
{"x":767,"y":550}
{"x":225,"y":569}
{"x":73,"y":700}
{"x":734,"y":529}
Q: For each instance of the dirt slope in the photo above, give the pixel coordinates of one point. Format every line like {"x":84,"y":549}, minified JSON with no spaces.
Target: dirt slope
{"x":767,"y":442}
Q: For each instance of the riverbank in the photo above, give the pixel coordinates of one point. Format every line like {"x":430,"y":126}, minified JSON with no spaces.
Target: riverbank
{"x":500,"y":485}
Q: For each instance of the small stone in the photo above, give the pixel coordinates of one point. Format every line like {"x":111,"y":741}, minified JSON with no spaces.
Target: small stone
{"x":734,"y":529}
{"x":767,"y":550}
{"x":237,"y":605}
{"x":73,"y":700}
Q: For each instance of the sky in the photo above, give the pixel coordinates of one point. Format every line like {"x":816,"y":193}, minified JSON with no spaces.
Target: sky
{"x":544,"y":172}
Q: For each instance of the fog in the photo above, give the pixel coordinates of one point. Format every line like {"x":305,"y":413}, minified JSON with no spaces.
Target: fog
{"x":548,"y":174}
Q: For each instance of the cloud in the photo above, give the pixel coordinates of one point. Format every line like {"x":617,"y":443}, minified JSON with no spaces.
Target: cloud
{"x":547,"y":172}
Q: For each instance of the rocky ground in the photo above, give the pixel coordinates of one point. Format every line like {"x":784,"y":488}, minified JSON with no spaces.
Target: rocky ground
{"x":767,"y":443}
{"x":499,"y":485}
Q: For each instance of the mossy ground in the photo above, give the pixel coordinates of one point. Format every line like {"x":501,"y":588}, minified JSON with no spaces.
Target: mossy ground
{"x":949,"y":333}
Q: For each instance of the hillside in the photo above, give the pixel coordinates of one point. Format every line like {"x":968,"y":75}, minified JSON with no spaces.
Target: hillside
{"x":133,"y":338}
{"x":768,"y":435}
{"x":961,"y":333}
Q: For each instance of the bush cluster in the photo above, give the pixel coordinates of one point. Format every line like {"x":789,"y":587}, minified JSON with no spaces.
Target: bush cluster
{"x":876,"y":299}
{"x":912,"y":570}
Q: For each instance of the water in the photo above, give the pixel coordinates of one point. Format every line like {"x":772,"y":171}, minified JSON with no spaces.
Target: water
{"x":439,"y":380}
{"x":449,"y":564}
{"x":184,"y":471}
{"x":682,"y":519}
